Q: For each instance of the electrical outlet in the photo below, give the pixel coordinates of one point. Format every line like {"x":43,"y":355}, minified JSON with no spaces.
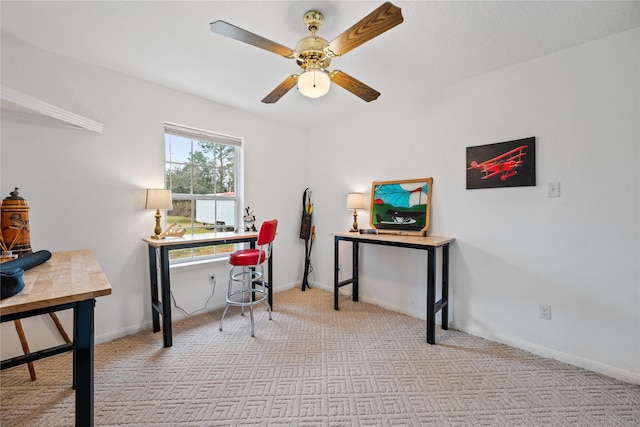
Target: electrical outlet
{"x":544,"y":311}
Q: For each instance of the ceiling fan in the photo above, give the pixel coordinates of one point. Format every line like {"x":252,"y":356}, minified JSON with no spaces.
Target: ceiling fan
{"x":314,"y":54}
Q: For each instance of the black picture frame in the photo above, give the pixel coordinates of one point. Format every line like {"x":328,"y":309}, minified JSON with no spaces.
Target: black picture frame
{"x":503,"y":164}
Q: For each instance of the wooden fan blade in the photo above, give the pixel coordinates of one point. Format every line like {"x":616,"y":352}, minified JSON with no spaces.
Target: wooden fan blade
{"x":354,"y":86}
{"x":377,"y":22}
{"x":281,"y":90}
{"x":237,"y":33}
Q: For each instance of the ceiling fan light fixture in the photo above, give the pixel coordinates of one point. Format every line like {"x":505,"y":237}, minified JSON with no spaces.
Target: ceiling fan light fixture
{"x":314,"y":83}
{"x":314,"y":53}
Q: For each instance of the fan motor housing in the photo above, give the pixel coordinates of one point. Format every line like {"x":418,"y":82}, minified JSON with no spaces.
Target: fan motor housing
{"x":311,"y":50}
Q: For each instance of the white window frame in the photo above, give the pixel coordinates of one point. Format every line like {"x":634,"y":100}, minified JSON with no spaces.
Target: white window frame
{"x":173,"y":129}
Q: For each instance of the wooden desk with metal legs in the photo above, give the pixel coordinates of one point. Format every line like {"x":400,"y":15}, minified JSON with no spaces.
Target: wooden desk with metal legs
{"x":69,"y":280}
{"x":159,"y":266}
{"x":429,"y":244}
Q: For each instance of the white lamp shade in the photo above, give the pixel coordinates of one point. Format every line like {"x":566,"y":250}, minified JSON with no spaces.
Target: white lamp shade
{"x":355,"y":201}
{"x":158,"y":199}
{"x":314,"y":83}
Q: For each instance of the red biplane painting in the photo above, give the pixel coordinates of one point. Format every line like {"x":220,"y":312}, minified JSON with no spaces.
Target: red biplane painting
{"x":505,"y":164}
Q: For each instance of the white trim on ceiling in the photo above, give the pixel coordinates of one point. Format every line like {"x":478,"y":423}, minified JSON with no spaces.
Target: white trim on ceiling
{"x":38,"y":106}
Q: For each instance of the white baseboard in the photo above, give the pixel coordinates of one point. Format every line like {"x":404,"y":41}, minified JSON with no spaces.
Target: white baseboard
{"x":590,"y":365}
{"x":176,"y":315}
{"x":112,"y":335}
{"x":580,"y":362}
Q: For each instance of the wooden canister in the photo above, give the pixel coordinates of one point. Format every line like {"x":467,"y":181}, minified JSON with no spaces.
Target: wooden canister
{"x":15,"y":225}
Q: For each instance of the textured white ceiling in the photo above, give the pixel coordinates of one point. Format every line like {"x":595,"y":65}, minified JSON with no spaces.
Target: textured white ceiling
{"x":439,"y":43}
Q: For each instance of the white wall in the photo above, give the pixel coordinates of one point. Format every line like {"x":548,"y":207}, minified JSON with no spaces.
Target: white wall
{"x":86,"y":190}
{"x":515,"y":247}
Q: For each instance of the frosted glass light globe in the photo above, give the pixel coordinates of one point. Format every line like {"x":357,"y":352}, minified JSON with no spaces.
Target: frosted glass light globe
{"x":314,"y":83}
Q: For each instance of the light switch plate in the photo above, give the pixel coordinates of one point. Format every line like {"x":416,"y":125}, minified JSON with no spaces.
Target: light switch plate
{"x":553,"y":189}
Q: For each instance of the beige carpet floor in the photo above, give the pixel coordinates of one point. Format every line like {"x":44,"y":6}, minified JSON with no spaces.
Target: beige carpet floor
{"x":313,"y":366}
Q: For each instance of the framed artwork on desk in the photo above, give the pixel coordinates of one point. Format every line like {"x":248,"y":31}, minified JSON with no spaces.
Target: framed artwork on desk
{"x":401,"y":207}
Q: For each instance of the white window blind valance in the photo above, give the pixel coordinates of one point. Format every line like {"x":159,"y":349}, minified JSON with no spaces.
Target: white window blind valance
{"x":201,"y":135}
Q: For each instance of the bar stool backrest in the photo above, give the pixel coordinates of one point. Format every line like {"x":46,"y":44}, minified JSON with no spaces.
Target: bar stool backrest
{"x":267,"y":233}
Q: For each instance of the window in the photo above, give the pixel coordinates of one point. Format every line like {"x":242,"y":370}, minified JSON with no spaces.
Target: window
{"x":201,"y":170}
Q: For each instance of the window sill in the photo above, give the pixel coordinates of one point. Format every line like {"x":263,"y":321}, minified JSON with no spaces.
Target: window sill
{"x":180,"y":265}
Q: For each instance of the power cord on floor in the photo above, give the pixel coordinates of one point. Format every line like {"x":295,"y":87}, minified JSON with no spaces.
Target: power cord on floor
{"x":213,"y":289}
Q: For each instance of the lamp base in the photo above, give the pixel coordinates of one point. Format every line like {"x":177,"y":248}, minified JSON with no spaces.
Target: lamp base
{"x":158,"y":229}
{"x":354,"y":227}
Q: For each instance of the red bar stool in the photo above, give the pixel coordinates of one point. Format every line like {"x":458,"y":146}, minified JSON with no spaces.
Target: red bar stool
{"x":246,"y":285}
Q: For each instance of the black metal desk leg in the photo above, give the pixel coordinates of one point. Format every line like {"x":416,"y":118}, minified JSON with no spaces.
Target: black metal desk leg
{"x":445,"y":287}
{"x":153,"y":279}
{"x":165,"y":282}
{"x":336,"y":267}
{"x":355,"y":270}
{"x":83,"y":361}
{"x":431,"y":296}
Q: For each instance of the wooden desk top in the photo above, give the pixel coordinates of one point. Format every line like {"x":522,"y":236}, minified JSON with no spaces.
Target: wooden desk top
{"x":67,"y":277}
{"x":201,"y":238}
{"x":395,"y":238}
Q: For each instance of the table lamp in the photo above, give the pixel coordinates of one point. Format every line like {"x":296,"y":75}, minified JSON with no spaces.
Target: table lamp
{"x":158,"y":199}
{"x":355,"y":201}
